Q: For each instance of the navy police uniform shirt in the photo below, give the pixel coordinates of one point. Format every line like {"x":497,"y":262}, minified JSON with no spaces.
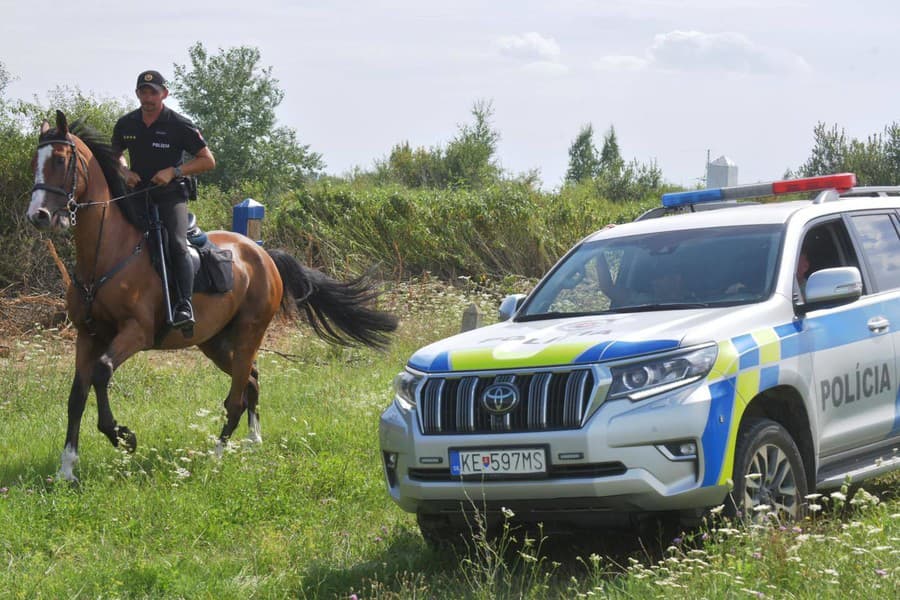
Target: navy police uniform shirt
{"x":159,"y":146}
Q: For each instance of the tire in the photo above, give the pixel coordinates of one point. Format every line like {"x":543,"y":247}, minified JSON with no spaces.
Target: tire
{"x":768,"y":470}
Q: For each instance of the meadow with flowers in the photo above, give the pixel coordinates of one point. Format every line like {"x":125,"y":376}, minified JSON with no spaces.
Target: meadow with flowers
{"x":306,"y":515}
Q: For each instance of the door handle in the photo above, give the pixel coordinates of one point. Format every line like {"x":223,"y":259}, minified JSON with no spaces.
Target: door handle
{"x":878,"y":324}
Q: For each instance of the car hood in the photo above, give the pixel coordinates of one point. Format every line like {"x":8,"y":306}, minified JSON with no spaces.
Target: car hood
{"x":572,"y":340}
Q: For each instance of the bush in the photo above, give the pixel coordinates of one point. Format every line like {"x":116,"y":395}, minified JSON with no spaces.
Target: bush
{"x":506,"y":228}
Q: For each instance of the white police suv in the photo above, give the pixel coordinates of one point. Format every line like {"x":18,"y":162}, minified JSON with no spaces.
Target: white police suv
{"x":745,"y":356}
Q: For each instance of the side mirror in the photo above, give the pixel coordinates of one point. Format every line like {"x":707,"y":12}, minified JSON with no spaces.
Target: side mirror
{"x":510,"y":305}
{"x":832,"y":287}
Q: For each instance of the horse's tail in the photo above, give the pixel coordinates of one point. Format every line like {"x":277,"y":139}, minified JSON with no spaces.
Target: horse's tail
{"x":340,"y":312}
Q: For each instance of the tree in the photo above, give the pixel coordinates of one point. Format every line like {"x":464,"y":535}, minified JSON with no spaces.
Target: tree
{"x":233,"y":100}
{"x":875,"y":160}
{"x":583,"y":161}
{"x":828,"y":154}
{"x":415,"y":168}
{"x":611,"y":162}
{"x":469,"y":157}
{"x":4,"y":81}
{"x":466,"y":162}
{"x":892,"y":152}
{"x":100,"y":113}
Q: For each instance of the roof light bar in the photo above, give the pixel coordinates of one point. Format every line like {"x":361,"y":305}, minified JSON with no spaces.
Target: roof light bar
{"x":841,"y":182}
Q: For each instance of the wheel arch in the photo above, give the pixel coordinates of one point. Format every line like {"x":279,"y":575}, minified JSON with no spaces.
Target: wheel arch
{"x":784,"y":405}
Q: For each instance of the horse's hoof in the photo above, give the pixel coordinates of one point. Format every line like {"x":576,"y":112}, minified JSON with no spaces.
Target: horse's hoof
{"x":67,"y":478}
{"x":126,"y":439}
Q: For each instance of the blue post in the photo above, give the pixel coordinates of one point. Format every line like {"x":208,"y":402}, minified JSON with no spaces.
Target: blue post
{"x":246,"y":218}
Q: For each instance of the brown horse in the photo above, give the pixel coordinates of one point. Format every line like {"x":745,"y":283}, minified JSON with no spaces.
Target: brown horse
{"x":116,"y":298}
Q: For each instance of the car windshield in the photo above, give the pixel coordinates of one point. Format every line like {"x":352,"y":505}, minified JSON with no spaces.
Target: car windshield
{"x":669,"y":270}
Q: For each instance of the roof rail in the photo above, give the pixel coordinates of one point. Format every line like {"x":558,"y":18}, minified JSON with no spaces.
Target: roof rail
{"x":876,"y":190}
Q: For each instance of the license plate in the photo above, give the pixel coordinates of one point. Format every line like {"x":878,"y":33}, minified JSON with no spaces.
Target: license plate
{"x":502,"y":461}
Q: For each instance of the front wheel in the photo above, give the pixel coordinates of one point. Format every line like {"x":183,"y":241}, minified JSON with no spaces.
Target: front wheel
{"x":768,"y":471}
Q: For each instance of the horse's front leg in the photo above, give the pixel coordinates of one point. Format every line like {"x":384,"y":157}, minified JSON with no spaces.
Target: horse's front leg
{"x":128,"y":341}
{"x":85,"y":358}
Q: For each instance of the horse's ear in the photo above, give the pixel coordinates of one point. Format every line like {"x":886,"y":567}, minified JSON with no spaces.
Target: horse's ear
{"x":45,"y":126}
{"x":62,"y":126}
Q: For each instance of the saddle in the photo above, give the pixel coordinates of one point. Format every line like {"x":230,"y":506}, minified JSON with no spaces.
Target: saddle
{"x":212,"y":265}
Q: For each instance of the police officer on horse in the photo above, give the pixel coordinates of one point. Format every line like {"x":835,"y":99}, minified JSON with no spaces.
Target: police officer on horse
{"x":156,"y":138}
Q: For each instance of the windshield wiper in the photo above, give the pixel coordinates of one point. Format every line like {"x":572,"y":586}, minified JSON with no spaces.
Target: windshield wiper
{"x":659,"y":306}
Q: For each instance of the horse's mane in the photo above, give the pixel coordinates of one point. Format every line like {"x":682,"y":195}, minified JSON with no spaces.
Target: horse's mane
{"x":108,"y":160}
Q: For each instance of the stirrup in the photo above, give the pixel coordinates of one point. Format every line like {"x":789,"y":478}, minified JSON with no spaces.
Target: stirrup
{"x":183,"y":315}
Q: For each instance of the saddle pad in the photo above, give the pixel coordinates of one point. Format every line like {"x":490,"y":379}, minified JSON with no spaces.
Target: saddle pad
{"x":215,"y":275}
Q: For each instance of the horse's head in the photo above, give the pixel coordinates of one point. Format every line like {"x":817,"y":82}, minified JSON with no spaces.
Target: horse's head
{"x":59,"y":174}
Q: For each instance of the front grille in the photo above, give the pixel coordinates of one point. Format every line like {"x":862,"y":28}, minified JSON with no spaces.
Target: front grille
{"x":548,"y":400}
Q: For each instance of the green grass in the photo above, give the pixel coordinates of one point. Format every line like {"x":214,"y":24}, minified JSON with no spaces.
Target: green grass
{"x":306,"y":513}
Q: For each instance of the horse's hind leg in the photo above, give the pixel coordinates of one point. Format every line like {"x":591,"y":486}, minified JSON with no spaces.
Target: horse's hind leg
{"x":252,"y":393}
{"x":244,"y":392}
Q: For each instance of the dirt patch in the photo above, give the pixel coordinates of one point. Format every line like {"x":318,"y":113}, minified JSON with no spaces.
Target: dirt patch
{"x":20,"y":315}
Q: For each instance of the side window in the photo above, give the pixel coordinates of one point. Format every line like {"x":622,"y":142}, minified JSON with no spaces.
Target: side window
{"x":881,"y":245}
{"x":824,"y":246}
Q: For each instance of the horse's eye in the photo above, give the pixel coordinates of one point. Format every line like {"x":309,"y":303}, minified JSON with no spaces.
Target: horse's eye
{"x":59,"y":161}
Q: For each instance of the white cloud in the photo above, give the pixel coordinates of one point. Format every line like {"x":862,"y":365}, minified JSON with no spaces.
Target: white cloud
{"x":530,"y":46}
{"x":697,"y":51}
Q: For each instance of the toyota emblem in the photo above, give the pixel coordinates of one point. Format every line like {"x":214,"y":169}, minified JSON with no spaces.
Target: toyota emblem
{"x":500,"y":398}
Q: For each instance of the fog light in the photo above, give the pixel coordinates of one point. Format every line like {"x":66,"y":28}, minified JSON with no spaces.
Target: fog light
{"x":687,"y":449}
{"x":390,"y":460}
{"x":390,"y":467}
{"x":679,"y":450}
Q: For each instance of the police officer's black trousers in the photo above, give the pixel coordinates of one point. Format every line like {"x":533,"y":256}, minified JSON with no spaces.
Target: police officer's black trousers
{"x":173,"y":213}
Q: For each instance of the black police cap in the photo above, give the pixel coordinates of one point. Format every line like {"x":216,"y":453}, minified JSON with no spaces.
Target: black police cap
{"x":153,"y":79}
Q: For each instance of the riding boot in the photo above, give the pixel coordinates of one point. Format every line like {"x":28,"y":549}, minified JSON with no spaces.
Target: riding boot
{"x":183,"y":312}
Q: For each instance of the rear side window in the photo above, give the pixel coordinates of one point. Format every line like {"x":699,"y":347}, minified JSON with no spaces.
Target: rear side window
{"x":881,"y":246}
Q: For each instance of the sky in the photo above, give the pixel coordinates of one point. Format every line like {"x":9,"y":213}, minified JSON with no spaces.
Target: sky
{"x":679,"y":80}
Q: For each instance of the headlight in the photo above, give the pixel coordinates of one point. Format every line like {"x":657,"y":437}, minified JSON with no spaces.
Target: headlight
{"x":406,"y":383}
{"x":639,"y":380}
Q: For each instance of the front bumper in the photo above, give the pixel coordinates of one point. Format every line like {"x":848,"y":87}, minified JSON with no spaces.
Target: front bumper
{"x":616,"y":463}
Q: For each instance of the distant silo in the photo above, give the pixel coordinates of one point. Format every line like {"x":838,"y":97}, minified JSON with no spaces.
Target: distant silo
{"x":721,"y":172}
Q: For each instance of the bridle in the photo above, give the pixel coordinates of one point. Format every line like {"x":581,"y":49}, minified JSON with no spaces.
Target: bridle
{"x":73,"y":205}
{"x":71,"y":174}
{"x":88,"y":290}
